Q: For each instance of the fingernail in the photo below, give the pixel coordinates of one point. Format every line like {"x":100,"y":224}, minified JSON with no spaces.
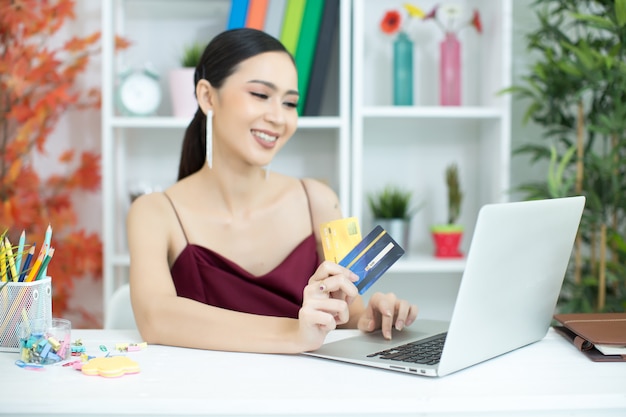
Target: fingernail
{"x":322,"y":287}
{"x":354,"y":277}
{"x":399,"y":325}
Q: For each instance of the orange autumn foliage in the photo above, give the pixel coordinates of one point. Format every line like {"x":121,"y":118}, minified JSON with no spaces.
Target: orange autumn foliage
{"x":37,"y":86}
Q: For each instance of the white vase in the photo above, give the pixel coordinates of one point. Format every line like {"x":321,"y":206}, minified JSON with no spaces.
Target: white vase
{"x":182,"y":92}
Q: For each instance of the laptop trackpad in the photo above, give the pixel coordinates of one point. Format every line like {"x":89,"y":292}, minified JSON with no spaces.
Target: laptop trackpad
{"x":367,"y":343}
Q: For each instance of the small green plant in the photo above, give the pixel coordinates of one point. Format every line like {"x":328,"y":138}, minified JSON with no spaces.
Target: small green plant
{"x":191,"y":55}
{"x":455,"y":195}
{"x":391,"y":202}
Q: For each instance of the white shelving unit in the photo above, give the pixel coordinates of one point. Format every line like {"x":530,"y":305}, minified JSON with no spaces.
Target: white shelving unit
{"x":410,"y":146}
{"x":359,"y":144}
{"x":136,"y":149}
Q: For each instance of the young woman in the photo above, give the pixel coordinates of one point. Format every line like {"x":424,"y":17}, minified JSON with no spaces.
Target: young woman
{"x":229,"y":257}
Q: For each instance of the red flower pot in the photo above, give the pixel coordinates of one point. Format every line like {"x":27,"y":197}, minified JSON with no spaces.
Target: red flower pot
{"x":447,"y":240}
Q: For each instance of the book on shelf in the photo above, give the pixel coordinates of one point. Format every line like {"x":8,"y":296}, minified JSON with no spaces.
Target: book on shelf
{"x":238,"y":14}
{"x":600,"y":336}
{"x":292,"y":23}
{"x":305,"y":50}
{"x":321,"y":59}
{"x":257,"y":12}
{"x":274,"y":17}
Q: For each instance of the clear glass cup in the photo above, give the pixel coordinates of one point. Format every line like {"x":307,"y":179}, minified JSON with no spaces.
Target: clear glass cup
{"x":45,"y":342}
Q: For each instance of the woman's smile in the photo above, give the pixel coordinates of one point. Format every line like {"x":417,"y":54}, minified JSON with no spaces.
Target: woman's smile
{"x":266,"y":140}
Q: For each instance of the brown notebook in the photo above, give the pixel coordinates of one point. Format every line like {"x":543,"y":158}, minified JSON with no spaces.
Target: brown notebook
{"x":595,"y":333}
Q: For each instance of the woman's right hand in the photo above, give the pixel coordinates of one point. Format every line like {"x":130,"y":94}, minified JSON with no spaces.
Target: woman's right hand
{"x":326,"y":301}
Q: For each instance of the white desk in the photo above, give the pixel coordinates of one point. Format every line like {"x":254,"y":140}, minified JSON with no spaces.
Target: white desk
{"x":548,"y":378}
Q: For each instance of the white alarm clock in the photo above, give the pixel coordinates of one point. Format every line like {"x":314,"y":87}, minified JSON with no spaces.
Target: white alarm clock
{"x":139,"y":92}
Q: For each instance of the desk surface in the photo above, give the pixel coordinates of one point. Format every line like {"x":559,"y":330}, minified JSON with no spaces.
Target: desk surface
{"x":546,"y":378}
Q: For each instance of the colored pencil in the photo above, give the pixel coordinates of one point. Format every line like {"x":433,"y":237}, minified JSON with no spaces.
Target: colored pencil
{"x":27,"y":261}
{"x":3,"y":263}
{"x":44,"y":264}
{"x":20,"y":252}
{"x":10,"y":259}
{"x":35,"y":269}
{"x":47,"y":241}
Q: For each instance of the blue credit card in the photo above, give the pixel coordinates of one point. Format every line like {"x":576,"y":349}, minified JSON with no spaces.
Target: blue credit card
{"x":371,"y":257}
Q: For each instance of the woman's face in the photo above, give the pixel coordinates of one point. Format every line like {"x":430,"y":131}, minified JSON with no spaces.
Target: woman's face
{"x":255,"y":110}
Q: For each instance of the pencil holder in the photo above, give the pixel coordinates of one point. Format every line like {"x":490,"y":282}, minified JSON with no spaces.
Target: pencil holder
{"x":21,"y":301}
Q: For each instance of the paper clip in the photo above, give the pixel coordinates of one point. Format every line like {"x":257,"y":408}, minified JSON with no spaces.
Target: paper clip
{"x":29,"y":366}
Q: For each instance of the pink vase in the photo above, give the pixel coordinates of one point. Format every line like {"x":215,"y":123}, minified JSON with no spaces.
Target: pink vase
{"x":184,"y":103}
{"x":450,"y":71}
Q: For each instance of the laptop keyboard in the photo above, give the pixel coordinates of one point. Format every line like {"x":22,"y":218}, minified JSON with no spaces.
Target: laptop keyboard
{"x":427,"y":351}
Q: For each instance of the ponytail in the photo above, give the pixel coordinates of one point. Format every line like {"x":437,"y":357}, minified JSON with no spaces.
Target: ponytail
{"x":193,"y":152}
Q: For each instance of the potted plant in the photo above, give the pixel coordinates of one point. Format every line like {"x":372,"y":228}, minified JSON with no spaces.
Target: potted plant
{"x":392,"y":210}
{"x":575,"y":93}
{"x":181,"y":81}
{"x":38,"y":85}
{"x":447,"y":236}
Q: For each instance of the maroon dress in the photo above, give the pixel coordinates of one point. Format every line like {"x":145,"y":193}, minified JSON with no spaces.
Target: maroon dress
{"x":206,"y":276}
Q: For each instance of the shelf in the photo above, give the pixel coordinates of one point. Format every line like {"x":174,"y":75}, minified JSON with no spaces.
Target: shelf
{"x":408,"y":264}
{"x":182,"y":123}
{"x":414,"y":263}
{"x":121,"y":260}
{"x":438,"y":112}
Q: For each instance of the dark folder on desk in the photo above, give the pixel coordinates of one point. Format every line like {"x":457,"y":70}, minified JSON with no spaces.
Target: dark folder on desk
{"x":588,"y":331}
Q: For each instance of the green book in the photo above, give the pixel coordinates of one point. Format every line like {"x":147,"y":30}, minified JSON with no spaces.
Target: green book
{"x":305,"y":51}
{"x":292,"y":23}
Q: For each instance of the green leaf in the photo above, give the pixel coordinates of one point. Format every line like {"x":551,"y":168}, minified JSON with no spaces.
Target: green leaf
{"x":595,"y":21}
{"x":620,"y":12}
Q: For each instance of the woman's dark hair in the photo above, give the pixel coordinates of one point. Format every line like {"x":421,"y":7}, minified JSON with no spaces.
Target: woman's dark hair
{"x":219,"y":60}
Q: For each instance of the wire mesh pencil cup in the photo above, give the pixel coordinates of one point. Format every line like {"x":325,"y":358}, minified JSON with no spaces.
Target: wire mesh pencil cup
{"x":21,"y":301}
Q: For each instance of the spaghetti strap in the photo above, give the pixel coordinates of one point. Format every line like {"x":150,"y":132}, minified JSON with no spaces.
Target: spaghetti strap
{"x":177,"y":217}
{"x":308,"y":200}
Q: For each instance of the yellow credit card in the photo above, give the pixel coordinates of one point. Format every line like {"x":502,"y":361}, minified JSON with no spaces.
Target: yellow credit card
{"x":339,"y":237}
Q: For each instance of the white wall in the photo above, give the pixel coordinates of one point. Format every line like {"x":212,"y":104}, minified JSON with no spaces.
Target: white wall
{"x":81,"y":130}
{"x":521,"y":170}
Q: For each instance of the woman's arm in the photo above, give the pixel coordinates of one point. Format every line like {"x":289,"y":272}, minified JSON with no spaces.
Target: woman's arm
{"x":383,"y":311}
{"x":164,"y":318}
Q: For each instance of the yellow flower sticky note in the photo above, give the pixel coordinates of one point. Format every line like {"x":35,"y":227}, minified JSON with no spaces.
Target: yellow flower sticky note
{"x":110,"y":366}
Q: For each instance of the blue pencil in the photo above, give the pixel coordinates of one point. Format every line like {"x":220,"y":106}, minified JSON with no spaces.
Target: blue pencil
{"x":20,"y":250}
{"x":47,"y":242}
{"x":27,"y":261}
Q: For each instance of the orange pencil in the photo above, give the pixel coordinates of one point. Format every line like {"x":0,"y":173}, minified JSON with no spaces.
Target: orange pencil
{"x":33,"y":271}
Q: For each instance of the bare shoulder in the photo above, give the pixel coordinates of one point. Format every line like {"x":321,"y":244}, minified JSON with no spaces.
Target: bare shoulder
{"x":147,"y":206}
{"x":324,"y":202}
{"x":150,"y":215}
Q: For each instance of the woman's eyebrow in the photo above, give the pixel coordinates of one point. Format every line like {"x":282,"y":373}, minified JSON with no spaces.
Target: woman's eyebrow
{"x":273,"y":86}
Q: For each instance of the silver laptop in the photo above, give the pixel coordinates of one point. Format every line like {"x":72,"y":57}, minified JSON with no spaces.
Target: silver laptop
{"x":513,"y":275}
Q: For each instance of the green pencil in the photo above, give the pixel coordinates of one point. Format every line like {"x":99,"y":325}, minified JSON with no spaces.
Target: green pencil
{"x":44,"y":264}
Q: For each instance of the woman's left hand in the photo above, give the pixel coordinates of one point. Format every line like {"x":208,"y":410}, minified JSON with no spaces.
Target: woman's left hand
{"x":384,"y":311}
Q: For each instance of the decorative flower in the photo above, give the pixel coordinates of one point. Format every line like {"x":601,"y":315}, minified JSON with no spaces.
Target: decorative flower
{"x":448,"y":16}
{"x":393,"y":19}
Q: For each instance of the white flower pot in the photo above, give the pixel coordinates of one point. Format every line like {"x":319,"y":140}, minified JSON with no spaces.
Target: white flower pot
{"x":398,"y":229}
